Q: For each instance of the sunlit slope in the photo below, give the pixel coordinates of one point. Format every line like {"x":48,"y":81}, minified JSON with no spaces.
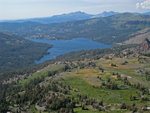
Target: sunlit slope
{"x":103,"y":85}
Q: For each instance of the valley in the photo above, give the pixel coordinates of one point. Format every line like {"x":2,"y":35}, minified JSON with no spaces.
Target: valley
{"x":76,"y":64}
{"x":113,"y":82}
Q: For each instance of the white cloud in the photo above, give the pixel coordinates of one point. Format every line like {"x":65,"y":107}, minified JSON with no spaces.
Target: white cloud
{"x":137,"y":5}
{"x":144,"y":5}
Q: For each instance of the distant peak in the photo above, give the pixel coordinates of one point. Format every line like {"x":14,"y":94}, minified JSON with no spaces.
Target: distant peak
{"x":78,"y":12}
{"x":108,"y":12}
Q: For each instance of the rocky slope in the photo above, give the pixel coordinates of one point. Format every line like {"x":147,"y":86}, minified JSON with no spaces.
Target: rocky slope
{"x":145,"y":46}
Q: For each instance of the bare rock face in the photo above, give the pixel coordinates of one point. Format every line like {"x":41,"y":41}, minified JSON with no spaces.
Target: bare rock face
{"x":145,"y":46}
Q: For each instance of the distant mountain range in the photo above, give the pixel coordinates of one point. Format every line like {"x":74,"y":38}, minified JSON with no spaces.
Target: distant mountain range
{"x":63,"y":18}
{"x":105,"y":14}
{"x":112,"y":29}
{"x":57,"y":18}
{"x":74,"y":16}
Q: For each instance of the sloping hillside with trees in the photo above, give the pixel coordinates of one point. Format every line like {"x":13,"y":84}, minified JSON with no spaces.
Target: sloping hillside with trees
{"x":113,"y":82}
{"x":16,"y":52}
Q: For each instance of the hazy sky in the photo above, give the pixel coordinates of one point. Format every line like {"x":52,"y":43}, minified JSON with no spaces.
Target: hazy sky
{"x":16,"y":9}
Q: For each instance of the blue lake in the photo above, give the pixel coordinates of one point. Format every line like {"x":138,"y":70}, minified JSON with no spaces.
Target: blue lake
{"x":65,"y":46}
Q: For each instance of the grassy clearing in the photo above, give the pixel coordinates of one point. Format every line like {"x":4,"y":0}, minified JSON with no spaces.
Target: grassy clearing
{"x":129,"y":69}
{"x":43,"y":73}
{"x":79,"y":110}
{"x":33,"y":110}
{"x":88,"y":82}
{"x":79,"y":81}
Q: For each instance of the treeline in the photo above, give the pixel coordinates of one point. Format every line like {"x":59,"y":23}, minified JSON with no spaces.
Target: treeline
{"x":93,"y":54}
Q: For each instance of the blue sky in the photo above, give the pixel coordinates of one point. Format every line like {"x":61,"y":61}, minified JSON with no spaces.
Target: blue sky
{"x":17,"y":9}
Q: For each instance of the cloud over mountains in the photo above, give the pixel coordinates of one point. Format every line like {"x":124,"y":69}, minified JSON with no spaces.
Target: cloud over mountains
{"x":144,"y":5}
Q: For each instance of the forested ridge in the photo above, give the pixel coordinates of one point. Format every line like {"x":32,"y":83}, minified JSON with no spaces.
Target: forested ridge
{"x":17,"y":53}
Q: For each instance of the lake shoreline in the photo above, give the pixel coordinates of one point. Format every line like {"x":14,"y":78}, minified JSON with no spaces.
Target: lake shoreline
{"x":60,"y":47}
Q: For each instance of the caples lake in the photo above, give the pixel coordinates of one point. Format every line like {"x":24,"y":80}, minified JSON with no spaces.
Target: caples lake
{"x":65,"y":46}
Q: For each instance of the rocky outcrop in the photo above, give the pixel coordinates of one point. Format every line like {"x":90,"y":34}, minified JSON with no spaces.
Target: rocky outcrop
{"x":145,"y":46}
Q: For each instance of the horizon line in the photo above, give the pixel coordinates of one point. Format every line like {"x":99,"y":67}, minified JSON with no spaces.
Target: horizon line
{"x":65,"y":14}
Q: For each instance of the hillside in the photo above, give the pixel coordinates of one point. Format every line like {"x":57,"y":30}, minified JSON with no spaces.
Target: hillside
{"x":113,"y":29}
{"x":16,"y":52}
{"x":116,"y":82}
{"x":138,"y":37}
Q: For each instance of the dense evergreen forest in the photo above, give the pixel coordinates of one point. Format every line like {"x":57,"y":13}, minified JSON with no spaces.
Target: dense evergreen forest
{"x":17,"y":53}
